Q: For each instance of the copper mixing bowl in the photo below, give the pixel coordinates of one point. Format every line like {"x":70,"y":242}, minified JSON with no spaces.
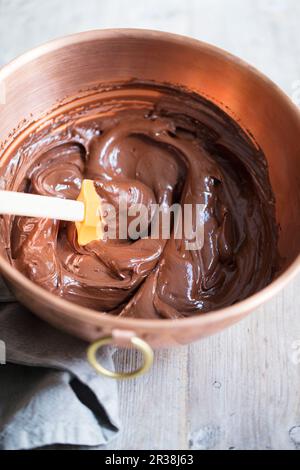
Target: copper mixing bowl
{"x":35,"y":81}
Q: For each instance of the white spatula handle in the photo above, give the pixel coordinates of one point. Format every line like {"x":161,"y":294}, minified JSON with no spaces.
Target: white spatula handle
{"x":33,"y":205}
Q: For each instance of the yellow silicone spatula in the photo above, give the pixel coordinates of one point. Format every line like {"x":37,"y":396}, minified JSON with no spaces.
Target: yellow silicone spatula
{"x":85,"y":211}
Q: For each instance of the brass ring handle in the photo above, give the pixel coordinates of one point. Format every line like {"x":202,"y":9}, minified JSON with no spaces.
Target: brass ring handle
{"x":140,"y":344}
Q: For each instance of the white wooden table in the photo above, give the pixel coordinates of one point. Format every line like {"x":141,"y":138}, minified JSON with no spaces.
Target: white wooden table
{"x":239,"y":389}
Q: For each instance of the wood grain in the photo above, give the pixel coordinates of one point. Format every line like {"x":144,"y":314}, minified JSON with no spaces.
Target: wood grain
{"x":239,"y":389}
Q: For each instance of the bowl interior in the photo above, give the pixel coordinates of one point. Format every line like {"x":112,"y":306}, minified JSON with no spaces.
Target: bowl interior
{"x":36,"y":81}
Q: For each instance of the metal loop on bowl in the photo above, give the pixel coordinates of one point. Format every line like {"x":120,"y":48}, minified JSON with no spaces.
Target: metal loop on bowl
{"x":139,"y":344}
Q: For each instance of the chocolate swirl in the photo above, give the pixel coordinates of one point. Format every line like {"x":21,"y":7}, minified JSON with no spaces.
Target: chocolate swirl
{"x":156,"y":144}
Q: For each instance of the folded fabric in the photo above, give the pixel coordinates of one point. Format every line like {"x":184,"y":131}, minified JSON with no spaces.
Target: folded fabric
{"x":49,"y":394}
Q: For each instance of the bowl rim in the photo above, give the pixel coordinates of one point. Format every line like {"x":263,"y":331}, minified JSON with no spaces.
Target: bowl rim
{"x":70,"y":309}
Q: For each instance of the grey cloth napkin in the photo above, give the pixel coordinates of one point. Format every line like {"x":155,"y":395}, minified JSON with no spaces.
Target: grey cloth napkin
{"x":49,"y":394}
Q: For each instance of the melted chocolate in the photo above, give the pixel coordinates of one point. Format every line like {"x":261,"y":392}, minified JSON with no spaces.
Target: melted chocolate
{"x":166,"y":145}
